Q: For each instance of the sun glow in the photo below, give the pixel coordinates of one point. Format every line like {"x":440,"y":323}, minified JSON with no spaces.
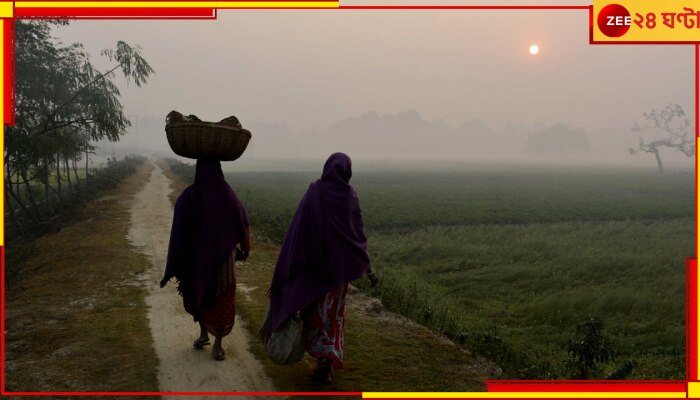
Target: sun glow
{"x":534,"y":49}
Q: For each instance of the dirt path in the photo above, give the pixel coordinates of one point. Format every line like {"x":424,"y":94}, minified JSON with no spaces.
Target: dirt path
{"x":183,"y":368}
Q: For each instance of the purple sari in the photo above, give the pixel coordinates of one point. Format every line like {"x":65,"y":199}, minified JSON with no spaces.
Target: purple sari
{"x":209,"y":222}
{"x":325,"y":246}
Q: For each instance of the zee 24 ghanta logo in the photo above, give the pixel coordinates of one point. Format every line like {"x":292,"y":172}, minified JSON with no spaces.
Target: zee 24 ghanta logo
{"x":614,"y":20}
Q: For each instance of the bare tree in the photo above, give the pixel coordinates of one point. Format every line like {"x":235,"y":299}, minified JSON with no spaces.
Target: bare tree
{"x":673,"y":127}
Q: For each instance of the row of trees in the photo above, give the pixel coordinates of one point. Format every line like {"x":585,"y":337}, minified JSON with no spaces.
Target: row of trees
{"x":63,"y":105}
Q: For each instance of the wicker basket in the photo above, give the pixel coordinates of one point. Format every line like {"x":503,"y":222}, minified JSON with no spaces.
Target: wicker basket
{"x":207,"y":140}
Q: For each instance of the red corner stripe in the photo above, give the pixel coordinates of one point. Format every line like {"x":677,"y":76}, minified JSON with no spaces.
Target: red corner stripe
{"x":691,"y":274}
{"x":9,"y":71}
{"x":154,"y":12}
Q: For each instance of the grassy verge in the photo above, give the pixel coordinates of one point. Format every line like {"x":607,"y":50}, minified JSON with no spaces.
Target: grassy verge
{"x":21,"y":231}
{"x":384,"y":352}
{"x":77,"y":320}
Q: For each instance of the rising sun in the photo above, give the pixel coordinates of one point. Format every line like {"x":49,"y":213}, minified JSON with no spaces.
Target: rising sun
{"x":534,"y":49}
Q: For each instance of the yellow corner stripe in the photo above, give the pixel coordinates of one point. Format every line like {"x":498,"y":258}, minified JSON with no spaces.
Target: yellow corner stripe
{"x":7,"y":9}
{"x":525,"y":395}
{"x":693,"y":390}
{"x":179,"y":4}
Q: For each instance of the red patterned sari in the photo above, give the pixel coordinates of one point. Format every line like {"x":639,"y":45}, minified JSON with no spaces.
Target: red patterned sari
{"x":220,"y":316}
{"x":324,"y":326}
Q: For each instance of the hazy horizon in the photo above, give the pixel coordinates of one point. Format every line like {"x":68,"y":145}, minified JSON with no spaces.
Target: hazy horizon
{"x":400,"y":84}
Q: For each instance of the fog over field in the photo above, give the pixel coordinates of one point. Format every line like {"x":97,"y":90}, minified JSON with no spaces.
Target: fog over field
{"x":384,"y":85}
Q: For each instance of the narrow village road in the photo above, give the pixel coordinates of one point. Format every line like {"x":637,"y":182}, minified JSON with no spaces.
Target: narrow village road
{"x":182,"y":368}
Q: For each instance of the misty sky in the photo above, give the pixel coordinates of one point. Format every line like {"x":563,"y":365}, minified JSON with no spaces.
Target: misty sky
{"x":311,"y":68}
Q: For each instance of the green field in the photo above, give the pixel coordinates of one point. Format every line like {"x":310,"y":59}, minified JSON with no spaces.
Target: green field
{"x":509,"y":261}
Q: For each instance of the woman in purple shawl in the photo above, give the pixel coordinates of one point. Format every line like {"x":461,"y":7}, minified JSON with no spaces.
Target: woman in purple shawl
{"x":208,"y":224}
{"x":325,"y":248}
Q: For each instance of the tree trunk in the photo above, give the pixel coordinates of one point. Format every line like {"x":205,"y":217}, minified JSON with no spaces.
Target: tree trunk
{"x":47,"y":203}
{"x":11,"y":188}
{"x":75,"y":171}
{"x":30,"y":195}
{"x":658,"y":160}
{"x":86,"y":164}
{"x":58,"y":174}
{"x":18,"y":200}
{"x":34,"y":214}
{"x":11,"y":210}
{"x":67,"y":172}
{"x":47,"y":186}
{"x":58,"y":195}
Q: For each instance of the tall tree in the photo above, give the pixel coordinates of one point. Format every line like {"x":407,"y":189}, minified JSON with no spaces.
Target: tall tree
{"x":672,"y":127}
{"x":62,"y":104}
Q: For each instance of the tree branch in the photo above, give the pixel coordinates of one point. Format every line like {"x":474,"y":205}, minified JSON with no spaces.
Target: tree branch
{"x":75,"y":95}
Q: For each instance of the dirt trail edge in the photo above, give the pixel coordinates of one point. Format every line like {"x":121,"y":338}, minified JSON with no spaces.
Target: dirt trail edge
{"x":182,"y":368}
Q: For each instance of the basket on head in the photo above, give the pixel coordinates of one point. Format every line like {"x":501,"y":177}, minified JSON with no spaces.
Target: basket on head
{"x":224,"y":142}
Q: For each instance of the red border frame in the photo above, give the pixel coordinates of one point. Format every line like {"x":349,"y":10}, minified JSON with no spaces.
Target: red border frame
{"x":505,"y":386}
{"x":578,"y":386}
{"x":691,"y":320}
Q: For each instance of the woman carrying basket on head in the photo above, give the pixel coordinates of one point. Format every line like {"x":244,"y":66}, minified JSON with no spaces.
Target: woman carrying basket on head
{"x":324,"y":249}
{"x":208,"y":224}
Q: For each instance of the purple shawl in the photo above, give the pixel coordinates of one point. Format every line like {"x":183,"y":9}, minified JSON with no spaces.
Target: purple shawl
{"x":325,"y":245}
{"x":209,"y":222}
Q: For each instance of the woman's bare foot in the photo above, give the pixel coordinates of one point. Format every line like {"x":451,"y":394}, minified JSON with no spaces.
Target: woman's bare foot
{"x":203,"y":339}
{"x":217,"y":351}
{"x":322,"y":374}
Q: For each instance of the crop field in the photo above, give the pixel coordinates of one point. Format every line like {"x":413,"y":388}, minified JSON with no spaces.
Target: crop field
{"x":509,"y":262}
